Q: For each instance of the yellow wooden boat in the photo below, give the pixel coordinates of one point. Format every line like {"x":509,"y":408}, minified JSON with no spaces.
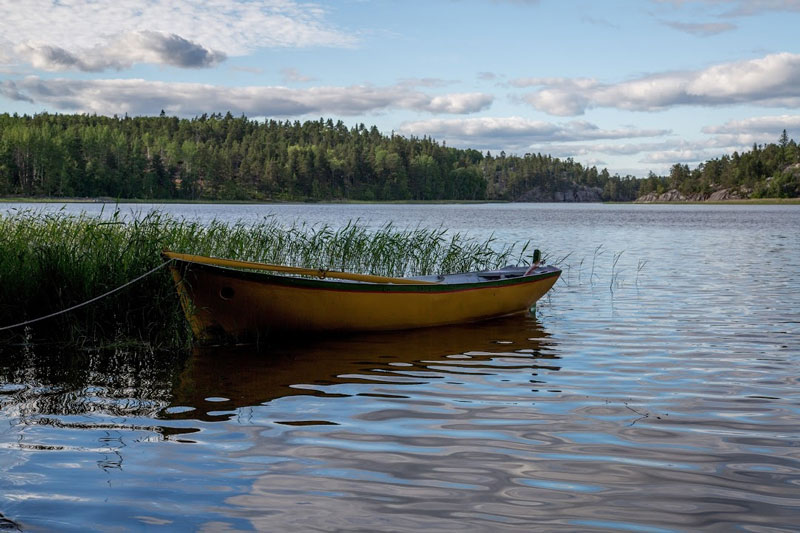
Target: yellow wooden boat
{"x":225,"y":298}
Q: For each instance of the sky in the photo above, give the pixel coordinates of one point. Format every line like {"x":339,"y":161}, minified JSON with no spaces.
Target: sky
{"x":630,"y":85}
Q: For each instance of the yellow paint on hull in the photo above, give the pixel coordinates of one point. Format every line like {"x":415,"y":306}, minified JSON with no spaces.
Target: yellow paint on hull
{"x":217,"y":303}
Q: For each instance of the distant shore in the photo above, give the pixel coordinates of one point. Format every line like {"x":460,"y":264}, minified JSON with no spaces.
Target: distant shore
{"x":108,"y":200}
{"x":743,"y":201}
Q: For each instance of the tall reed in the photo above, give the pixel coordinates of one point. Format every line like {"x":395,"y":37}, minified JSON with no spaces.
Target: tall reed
{"x":49,"y":262}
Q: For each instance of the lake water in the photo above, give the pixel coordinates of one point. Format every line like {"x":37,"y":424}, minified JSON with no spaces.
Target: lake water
{"x":656,"y":388}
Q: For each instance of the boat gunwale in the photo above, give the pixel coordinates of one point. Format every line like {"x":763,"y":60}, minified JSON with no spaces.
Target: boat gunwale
{"x":357,"y":286}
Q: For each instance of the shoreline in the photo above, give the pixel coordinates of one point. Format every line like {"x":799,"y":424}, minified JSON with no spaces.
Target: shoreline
{"x":104,"y":200}
{"x":746,"y":201}
{"x":115,"y":201}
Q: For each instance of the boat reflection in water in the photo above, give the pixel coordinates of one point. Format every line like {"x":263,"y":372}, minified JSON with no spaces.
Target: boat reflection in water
{"x":379,"y":432}
{"x":247,"y":375}
{"x":342,"y":430}
{"x":158,"y":385}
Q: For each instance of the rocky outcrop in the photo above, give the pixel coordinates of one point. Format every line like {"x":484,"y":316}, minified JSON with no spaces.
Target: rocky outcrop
{"x":674,"y":195}
{"x":669,"y":196}
{"x":726,"y":194}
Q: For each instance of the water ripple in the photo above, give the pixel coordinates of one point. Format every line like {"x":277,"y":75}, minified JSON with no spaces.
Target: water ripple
{"x":660,"y":400}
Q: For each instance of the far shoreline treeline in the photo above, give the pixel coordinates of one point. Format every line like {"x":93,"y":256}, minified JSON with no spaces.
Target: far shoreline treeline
{"x":225,"y":158}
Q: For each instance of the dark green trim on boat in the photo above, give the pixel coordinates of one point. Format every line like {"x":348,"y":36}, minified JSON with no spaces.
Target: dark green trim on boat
{"x":335,"y":285}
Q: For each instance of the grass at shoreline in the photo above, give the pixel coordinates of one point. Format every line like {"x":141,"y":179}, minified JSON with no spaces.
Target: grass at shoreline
{"x":49,"y":262}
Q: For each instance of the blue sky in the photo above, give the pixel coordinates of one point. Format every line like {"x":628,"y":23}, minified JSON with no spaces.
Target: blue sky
{"x":629,"y":85}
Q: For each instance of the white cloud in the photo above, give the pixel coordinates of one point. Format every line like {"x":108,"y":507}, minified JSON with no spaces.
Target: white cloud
{"x":515,"y":133}
{"x":772,"y":81}
{"x":614,"y":149}
{"x":130,"y":48}
{"x":742,"y":134}
{"x":9,"y":89}
{"x":458,"y":103}
{"x":771,"y":125}
{"x":734,"y":136}
{"x":671,"y":157}
{"x":559,"y":102}
{"x":588,"y":142}
{"x":582,"y":140}
{"x":481,"y":129}
{"x":662,"y":154}
{"x":116,"y":33}
{"x":573,"y":83}
{"x":595,"y":162}
{"x":142,"y":97}
{"x":651,"y":150}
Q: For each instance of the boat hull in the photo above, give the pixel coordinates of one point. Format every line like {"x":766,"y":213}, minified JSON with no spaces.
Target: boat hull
{"x":223,"y":302}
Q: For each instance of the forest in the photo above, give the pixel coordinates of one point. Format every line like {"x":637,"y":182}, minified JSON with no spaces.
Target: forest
{"x":222,"y":157}
{"x":766,"y":171}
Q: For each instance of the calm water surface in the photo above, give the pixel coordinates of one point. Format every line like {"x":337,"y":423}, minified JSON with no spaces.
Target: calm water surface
{"x":655,"y":389}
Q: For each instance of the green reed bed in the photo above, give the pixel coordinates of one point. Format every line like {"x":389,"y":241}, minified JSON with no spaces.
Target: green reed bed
{"x":50,"y":262}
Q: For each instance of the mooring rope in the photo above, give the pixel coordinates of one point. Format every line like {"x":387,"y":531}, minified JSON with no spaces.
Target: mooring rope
{"x":87,"y":302}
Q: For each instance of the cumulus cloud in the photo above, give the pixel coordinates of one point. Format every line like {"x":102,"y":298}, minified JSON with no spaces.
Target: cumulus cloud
{"x":742,"y":134}
{"x":670,"y":157}
{"x":170,"y":49}
{"x":733,"y":136}
{"x":616,"y":149}
{"x":658,"y":156}
{"x":772,"y":125}
{"x":49,"y":57}
{"x":142,"y":97}
{"x":516,"y":132}
{"x":574,"y":83}
{"x":127,"y":49}
{"x":458,"y":103}
{"x":114,"y":34}
{"x":10,"y":90}
{"x":772,"y":81}
{"x":658,"y":149}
